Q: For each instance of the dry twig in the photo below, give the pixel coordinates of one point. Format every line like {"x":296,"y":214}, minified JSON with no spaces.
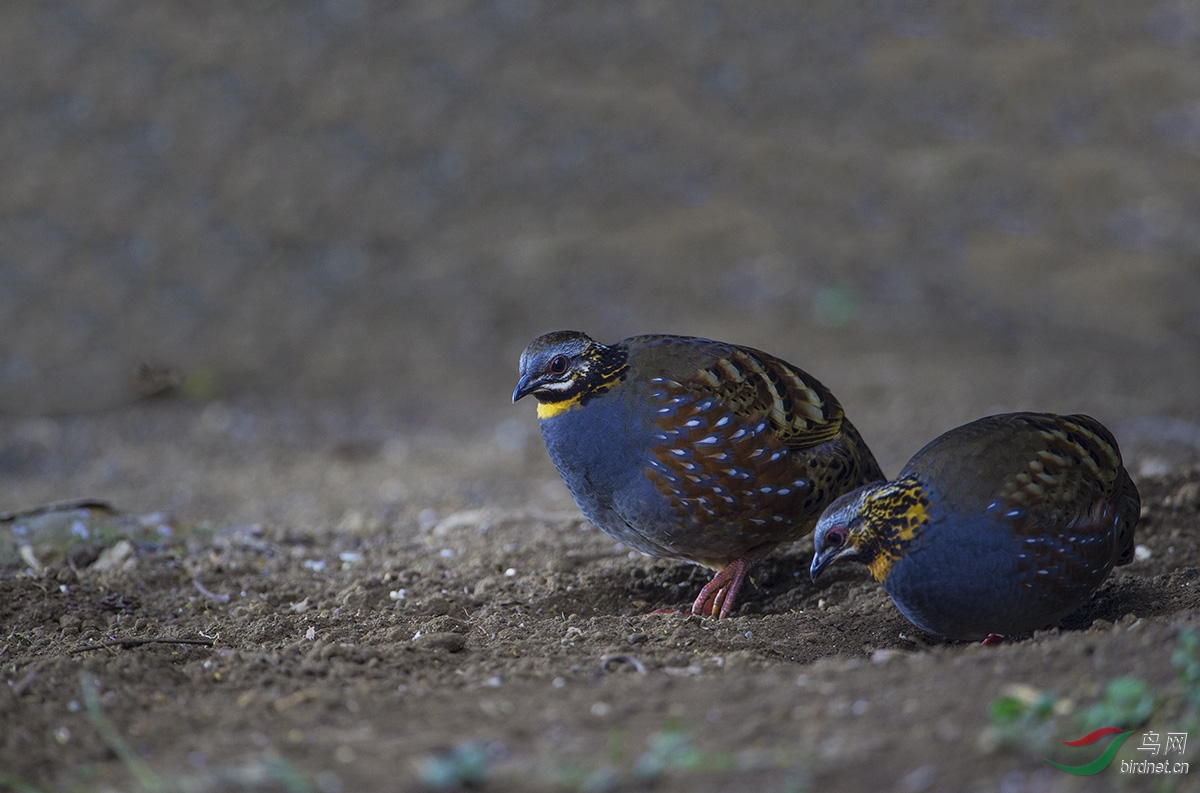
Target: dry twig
{"x":127,"y":643}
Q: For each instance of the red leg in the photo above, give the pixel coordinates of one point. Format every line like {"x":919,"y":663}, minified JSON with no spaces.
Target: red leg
{"x":992,"y":640}
{"x":718,"y":595}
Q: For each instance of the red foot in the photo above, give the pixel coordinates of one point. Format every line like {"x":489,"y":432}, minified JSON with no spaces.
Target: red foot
{"x":992,"y":640}
{"x":717,"y":597}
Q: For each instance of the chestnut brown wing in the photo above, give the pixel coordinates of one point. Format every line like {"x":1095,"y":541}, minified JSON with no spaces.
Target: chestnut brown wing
{"x":747,"y":444}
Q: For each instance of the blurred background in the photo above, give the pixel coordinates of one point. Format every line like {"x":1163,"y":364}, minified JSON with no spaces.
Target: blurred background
{"x":341,"y":221}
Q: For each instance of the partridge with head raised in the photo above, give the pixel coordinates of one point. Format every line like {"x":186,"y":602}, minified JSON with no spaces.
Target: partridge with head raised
{"x":692,"y":449}
{"x":1001,"y":526}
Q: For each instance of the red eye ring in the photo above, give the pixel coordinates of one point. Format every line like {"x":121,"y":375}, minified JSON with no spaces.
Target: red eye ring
{"x":834,"y":538}
{"x":558,"y":365}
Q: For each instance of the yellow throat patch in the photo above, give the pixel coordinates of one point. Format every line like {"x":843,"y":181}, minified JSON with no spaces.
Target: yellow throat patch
{"x":548,"y":410}
{"x":893,"y":515}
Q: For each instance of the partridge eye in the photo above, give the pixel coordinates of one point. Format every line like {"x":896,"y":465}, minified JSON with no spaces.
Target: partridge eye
{"x":834,"y":538}
{"x":558,"y":365}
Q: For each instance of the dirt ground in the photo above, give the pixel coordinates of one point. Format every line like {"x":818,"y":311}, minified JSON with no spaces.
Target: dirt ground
{"x":341,"y":560}
{"x":355,"y":657}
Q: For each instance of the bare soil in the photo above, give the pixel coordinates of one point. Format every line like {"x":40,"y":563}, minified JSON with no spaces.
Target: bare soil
{"x":354,"y":658}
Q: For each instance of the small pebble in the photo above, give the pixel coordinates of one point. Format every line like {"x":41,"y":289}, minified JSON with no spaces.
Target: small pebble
{"x":919,"y":779}
{"x":442,"y":640}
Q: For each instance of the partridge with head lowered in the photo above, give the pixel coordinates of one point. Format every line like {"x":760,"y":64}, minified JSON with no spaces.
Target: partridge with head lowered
{"x":1001,"y":526}
{"x":692,"y":449}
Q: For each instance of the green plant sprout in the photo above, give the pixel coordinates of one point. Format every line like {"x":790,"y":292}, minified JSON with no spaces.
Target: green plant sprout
{"x":466,"y":765}
{"x":1128,"y":703}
